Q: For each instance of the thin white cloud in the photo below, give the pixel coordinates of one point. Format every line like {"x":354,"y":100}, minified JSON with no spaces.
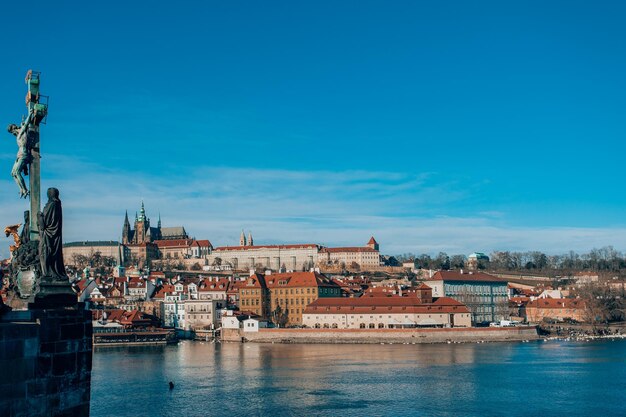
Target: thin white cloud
{"x":332,"y":208}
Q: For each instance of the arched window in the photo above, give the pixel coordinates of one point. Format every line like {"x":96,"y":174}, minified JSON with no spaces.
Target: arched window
{"x":381,"y":325}
{"x":317,"y":325}
{"x":326,"y":325}
{"x":372,"y":326}
{"x":362,"y":325}
{"x":334,"y":326}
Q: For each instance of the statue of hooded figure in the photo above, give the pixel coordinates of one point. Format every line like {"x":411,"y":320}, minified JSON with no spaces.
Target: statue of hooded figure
{"x":50,"y":239}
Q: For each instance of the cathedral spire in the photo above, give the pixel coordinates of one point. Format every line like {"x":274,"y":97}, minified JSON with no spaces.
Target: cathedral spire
{"x":142,"y":212}
{"x":159,"y":223}
{"x":250,"y":241}
{"x":242,"y":239}
{"x":126,"y":229}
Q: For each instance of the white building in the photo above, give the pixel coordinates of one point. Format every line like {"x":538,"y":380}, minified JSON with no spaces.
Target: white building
{"x":292,"y":257}
{"x":173,"y":314}
{"x":203,"y":314}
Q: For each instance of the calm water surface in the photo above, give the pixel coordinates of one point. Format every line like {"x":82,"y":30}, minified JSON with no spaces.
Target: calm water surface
{"x":537,"y":378}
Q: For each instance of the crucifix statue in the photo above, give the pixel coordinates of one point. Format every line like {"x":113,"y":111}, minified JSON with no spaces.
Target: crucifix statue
{"x":37,"y":266}
{"x":23,"y":154}
{"x":27,"y":160}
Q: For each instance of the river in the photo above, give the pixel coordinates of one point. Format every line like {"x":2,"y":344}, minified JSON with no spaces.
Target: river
{"x":555,"y":378}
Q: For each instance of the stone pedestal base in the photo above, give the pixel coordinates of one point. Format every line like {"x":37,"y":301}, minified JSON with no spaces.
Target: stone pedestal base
{"x":54,"y":293}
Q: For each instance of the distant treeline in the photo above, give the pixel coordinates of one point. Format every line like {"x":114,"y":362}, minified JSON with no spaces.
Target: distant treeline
{"x":605,"y":259}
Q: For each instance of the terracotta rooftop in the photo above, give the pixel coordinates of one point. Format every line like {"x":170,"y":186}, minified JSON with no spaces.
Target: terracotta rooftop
{"x":165,"y":289}
{"x":296,"y":246}
{"x":349,"y":249}
{"x":370,"y":305}
{"x":465,"y":276}
{"x":214,"y":285}
{"x":556,"y":303}
{"x":298,"y":279}
{"x":174,"y":243}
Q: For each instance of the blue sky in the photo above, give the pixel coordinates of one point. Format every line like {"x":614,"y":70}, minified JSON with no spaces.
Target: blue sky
{"x":455,"y":126}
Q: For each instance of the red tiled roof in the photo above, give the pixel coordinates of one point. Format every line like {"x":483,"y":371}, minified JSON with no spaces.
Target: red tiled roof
{"x":165,"y":289}
{"x":372,"y":241}
{"x":174,"y":243}
{"x":204,"y":243}
{"x":234,"y":286}
{"x":384,"y":304}
{"x":298,"y":279}
{"x":381,"y":292}
{"x":519,"y":300}
{"x":253,"y":281}
{"x":466,"y":276}
{"x":214,"y":285}
{"x":556,"y":303}
{"x":297,"y":246}
{"x":349,"y":249}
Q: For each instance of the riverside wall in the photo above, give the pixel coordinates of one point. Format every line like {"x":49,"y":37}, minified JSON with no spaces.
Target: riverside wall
{"x":45,"y":362}
{"x":364,"y":336}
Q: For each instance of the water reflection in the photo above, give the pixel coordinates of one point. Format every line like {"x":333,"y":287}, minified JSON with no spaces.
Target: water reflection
{"x":307,"y":380}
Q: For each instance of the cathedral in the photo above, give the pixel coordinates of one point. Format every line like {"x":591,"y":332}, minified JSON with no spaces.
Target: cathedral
{"x":144,"y":233}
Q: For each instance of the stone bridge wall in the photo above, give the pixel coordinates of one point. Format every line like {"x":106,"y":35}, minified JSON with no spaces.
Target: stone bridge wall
{"x":45,"y":362}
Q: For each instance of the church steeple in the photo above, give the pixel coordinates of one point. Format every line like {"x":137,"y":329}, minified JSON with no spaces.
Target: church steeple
{"x":159,"y":222}
{"x":142,"y":212}
{"x":250,"y":241}
{"x":242,"y":239}
{"x":126,"y":230}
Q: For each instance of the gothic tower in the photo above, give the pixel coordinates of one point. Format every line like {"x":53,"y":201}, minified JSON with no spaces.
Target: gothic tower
{"x":126,"y":232}
{"x":142,"y":225}
{"x":250,"y":241}
{"x":242,"y":239}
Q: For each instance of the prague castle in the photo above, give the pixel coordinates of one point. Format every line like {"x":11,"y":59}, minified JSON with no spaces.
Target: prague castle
{"x":144,"y":233}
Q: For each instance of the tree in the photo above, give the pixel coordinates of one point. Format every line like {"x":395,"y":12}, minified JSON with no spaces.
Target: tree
{"x":457,"y":261}
{"x":423,"y":261}
{"x":80,"y":261}
{"x":602,"y":304}
{"x":279,"y":316}
{"x":196,"y":267}
{"x":217,"y":261}
{"x":442,"y":261}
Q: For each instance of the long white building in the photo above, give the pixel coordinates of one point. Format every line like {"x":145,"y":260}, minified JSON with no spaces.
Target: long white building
{"x":290,"y":257}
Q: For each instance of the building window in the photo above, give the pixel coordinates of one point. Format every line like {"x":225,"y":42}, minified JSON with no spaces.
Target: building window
{"x":372,"y":326}
{"x":362,"y":325}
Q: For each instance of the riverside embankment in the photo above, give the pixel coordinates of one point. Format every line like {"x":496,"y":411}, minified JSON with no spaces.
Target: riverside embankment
{"x":364,"y":336}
